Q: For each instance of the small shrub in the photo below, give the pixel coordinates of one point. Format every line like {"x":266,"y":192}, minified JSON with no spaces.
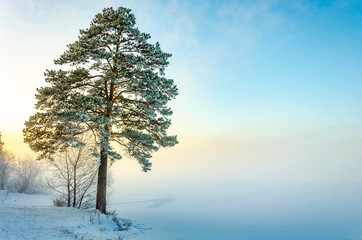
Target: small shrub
{"x":122,"y":224}
{"x":66,"y":231}
{"x":59,"y":202}
{"x":92,"y":216}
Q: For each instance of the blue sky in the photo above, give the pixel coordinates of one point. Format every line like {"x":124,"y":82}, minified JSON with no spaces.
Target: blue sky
{"x":261,"y":83}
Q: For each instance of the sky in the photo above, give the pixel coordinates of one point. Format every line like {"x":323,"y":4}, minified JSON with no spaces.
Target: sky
{"x":269,"y":91}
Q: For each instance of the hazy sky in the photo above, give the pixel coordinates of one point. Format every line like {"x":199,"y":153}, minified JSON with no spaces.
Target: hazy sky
{"x":269,"y":90}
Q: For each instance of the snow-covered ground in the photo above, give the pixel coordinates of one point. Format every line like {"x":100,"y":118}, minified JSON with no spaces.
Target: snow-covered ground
{"x":33,"y":217}
{"x":245,"y":211}
{"x":196,"y":212}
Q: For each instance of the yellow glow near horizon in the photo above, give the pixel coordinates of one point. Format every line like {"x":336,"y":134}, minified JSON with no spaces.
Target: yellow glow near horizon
{"x":14,"y":144}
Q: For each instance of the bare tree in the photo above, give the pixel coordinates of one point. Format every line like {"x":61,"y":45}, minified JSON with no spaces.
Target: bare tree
{"x":26,"y":176}
{"x":73,"y":177}
{"x":5,"y":166}
{"x":4,"y":171}
{"x":1,"y":143}
{"x":22,"y":175}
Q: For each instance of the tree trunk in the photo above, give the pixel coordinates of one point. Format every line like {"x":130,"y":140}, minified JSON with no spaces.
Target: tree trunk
{"x":75,"y":186}
{"x":102,"y":183}
{"x":68,"y":180}
{"x":68,"y":204}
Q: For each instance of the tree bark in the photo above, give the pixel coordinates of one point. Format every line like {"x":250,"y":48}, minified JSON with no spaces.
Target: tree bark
{"x":75,"y":186}
{"x":102,"y":183}
{"x":68,"y":181}
{"x":69,"y":195}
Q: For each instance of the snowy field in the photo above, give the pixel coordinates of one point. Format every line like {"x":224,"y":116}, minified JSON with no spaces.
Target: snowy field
{"x":213,"y":212}
{"x":33,"y":217}
{"x":247,"y":211}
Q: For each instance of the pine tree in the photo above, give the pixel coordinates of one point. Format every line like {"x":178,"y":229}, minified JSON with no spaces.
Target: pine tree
{"x":113,"y":85}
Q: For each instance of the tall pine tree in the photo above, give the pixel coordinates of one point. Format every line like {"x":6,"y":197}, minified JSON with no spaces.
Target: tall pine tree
{"x":113,"y":85}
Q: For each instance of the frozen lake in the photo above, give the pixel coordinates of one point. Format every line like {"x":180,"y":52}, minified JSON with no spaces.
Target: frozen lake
{"x":260,"y":211}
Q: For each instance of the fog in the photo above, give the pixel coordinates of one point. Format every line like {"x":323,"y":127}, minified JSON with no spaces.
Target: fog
{"x":243,"y":210}
{"x":273,"y":188}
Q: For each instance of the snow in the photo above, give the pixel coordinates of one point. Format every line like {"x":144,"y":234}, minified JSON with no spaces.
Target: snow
{"x":25,"y":216}
{"x":244,"y":211}
{"x":24,"y":199}
{"x":197,"y":212}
